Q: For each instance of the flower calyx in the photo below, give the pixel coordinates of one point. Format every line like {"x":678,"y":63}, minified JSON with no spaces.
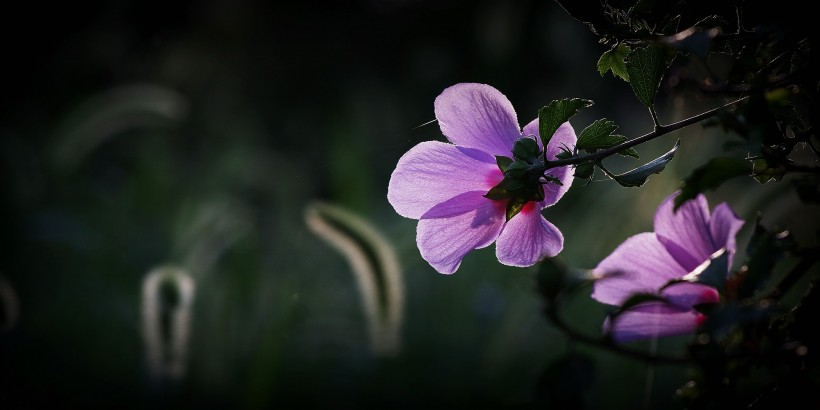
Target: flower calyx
{"x":524,"y":177}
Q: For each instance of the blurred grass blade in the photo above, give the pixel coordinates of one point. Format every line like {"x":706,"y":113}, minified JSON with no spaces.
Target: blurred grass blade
{"x":112,"y":112}
{"x":9,"y":305}
{"x":375,"y":267}
{"x":167,"y":302}
{"x":204,"y":230}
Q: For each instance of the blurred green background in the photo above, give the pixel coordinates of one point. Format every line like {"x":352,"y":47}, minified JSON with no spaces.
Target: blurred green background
{"x":143,"y":134}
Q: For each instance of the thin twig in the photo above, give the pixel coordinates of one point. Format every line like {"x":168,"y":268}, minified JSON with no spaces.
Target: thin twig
{"x":659,"y":131}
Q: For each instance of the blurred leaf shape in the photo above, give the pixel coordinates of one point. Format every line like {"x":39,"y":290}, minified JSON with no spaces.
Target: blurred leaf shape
{"x":167,"y":302}
{"x":375,"y":267}
{"x":112,"y":112}
{"x":710,"y":176}
{"x":638,"y":176}
{"x":9,"y":305}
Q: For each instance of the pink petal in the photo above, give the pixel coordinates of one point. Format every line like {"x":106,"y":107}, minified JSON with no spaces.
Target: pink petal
{"x":639,"y":265}
{"x":686,"y":294}
{"x":478,"y":116}
{"x":652,"y":319}
{"x":433,"y":172}
{"x":475,"y":223}
{"x":723,"y":227}
{"x":685,"y":232}
{"x":565,"y":138}
{"x":528,"y":238}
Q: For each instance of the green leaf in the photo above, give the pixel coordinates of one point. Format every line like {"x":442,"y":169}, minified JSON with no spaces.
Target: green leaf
{"x":765,"y":249}
{"x":591,"y":137}
{"x":646,"y":67}
{"x":629,"y":152}
{"x":556,"y":113}
{"x":615,"y":60}
{"x":710,"y":176}
{"x":598,"y":135}
{"x":638,"y":176}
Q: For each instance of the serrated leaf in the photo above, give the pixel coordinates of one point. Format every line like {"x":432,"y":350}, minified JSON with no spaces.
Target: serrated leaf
{"x":629,"y":152}
{"x":614,"y":60}
{"x":556,"y":113}
{"x":710,"y":176}
{"x":646,"y":67}
{"x":591,"y":136}
{"x":638,"y":176}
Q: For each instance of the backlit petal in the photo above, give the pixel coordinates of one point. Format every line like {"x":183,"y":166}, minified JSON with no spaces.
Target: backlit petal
{"x":478,"y":116}
{"x":724,"y":226}
{"x":443,"y":242}
{"x":433,"y":172}
{"x":685,"y":232}
{"x":652,"y":319}
{"x":527,"y":238}
{"x":639,"y":265}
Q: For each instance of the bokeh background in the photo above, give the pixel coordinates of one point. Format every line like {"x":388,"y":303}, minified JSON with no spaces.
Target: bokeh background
{"x":137,"y":135}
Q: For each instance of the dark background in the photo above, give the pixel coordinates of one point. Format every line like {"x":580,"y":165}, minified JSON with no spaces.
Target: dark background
{"x":138,"y":134}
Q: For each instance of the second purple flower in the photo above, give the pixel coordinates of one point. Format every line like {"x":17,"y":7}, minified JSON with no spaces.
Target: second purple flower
{"x":647,"y":262}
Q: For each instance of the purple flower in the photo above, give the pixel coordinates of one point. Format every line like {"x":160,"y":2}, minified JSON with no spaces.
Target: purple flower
{"x":683,"y":240}
{"x":444,"y":185}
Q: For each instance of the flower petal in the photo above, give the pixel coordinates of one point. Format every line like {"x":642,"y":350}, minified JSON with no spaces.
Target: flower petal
{"x":528,"y":238}
{"x":723,"y":227}
{"x":443,"y":242}
{"x":685,"y":232}
{"x":564,"y":138}
{"x":433,"y":172}
{"x":652,"y":319}
{"x":639,"y":265}
{"x":685,"y":294}
{"x":478,"y":116}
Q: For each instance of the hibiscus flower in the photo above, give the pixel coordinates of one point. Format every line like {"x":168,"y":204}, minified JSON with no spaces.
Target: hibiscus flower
{"x":445,"y":185}
{"x":683,"y":240}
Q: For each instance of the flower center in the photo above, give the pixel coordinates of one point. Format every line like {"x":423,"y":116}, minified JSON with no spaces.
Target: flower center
{"x":524,"y":177}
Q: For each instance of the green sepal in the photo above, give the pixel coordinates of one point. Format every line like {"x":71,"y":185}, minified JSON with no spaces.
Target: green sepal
{"x":497,"y":192}
{"x":503,"y":162}
{"x":526,"y":149}
{"x":514,"y":206}
{"x":638,"y":176}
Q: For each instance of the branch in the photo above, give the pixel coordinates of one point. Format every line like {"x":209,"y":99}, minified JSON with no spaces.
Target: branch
{"x":659,"y":131}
